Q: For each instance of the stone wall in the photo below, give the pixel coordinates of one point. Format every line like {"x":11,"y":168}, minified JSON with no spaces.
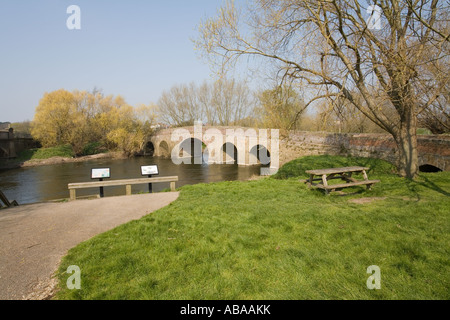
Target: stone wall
{"x":432,"y":149}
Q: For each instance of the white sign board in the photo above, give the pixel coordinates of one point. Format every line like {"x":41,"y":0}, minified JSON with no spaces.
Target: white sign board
{"x":100,"y":173}
{"x":149,"y":170}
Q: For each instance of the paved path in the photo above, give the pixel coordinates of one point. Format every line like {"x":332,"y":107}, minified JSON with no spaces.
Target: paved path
{"x":34,"y":238}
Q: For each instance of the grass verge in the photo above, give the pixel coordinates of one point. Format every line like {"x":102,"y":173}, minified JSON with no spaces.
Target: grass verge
{"x":65,"y":151}
{"x":276,"y":239}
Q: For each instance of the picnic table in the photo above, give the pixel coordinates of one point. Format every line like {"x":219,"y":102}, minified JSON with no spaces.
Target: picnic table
{"x":344,"y":173}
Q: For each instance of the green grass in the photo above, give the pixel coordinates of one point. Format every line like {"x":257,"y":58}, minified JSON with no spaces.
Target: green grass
{"x":46,"y":153}
{"x":276,"y":239}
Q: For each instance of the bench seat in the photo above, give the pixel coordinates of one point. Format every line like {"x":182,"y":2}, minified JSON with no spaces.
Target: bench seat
{"x":345,"y":185}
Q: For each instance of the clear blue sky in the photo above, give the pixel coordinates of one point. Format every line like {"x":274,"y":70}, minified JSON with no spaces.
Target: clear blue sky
{"x":135,"y":48}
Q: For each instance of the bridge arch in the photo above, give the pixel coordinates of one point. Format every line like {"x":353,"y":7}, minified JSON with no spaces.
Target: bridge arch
{"x":261,"y":154}
{"x":149,"y":148}
{"x":163,"y":149}
{"x":229,"y":153}
{"x":429,"y":168}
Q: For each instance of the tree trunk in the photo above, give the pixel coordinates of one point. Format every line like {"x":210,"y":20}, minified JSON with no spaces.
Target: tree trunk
{"x":406,"y":140}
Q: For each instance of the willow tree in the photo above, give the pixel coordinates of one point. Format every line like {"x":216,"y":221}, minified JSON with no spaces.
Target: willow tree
{"x":53,"y":121}
{"x":381,"y":51}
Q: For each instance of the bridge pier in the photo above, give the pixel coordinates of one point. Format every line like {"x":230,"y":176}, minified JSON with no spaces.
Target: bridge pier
{"x":7,"y":145}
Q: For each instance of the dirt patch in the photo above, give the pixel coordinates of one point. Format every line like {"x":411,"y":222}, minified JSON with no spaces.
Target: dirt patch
{"x":44,"y":290}
{"x":366,"y":200}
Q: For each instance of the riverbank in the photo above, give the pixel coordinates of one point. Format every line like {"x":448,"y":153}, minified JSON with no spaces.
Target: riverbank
{"x":14,"y":164}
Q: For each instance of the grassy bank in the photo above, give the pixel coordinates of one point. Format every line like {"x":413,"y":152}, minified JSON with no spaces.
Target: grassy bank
{"x":59,"y":154}
{"x":275,"y":239}
{"x":64,"y":151}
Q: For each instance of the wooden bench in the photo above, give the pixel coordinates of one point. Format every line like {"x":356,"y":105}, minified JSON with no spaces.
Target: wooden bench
{"x":6,"y":201}
{"x":344,"y":173}
{"x":123,"y":182}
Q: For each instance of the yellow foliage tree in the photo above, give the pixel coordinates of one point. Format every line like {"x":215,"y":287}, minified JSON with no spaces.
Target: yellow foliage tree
{"x":53,"y":121}
{"x":81,"y":118}
{"x":133,"y":126}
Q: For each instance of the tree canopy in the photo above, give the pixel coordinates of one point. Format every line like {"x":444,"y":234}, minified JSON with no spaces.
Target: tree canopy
{"x":79,"y":118}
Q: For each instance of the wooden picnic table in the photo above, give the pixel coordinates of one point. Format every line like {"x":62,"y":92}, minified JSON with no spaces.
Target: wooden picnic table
{"x":344,"y":173}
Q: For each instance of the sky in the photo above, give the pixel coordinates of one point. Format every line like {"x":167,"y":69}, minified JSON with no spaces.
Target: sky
{"x":136,"y":49}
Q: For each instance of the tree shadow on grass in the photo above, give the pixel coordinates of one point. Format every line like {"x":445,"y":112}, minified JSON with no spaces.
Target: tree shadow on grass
{"x":433,"y":186}
{"x":413,"y":185}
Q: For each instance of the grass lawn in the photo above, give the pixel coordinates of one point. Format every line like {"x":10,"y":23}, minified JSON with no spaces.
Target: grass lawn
{"x":275,"y":239}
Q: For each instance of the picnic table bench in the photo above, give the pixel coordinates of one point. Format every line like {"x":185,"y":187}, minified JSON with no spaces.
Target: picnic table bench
{"x":344,"y":173}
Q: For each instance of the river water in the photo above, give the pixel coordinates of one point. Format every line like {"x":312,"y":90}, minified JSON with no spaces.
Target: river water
{"x":49,"y":182}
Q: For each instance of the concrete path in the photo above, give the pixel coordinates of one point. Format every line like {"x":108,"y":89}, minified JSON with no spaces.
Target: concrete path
{"x":34,"y":238}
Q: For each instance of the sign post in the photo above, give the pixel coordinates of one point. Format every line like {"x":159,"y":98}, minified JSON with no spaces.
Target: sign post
{"x":100,"y":173}
{"x":149,"y":171}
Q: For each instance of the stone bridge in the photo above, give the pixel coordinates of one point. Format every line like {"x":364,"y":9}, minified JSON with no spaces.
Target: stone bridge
{"x":198,"y":143}
{"x":247,"y":146}
{"x":7,"y":144}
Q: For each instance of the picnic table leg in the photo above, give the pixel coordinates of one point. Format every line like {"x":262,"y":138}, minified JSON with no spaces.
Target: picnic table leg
{"x":324,"y":180}
{"x":365,"y":175}
{"x":369,"y":186}
{"x":325,"y":183}
{"x":311,"y":178}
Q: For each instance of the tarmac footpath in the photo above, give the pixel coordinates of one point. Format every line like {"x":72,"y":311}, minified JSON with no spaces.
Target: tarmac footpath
{"x":34,"y":238}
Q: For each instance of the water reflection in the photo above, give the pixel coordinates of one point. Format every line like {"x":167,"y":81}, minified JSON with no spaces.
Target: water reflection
{"x":36,"y":184}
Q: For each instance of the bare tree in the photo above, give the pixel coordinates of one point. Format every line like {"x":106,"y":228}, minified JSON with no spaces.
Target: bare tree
{"x":436,"y":118}
{"x":337,"y":48}
{"x":179,"y":106}
{"x":231,"y":101}
{"x":281,"y":108}
{"x":223,"y":102}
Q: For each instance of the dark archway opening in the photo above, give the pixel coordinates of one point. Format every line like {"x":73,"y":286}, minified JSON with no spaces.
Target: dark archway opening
{"x":262,"y":154}
{"x":230,"y":153}
{"x":429,"y":168}
{"x":149,"y":149}
{"x":192,"y":148}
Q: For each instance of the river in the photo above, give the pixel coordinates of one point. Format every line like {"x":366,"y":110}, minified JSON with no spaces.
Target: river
{"x":49,"y":182}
